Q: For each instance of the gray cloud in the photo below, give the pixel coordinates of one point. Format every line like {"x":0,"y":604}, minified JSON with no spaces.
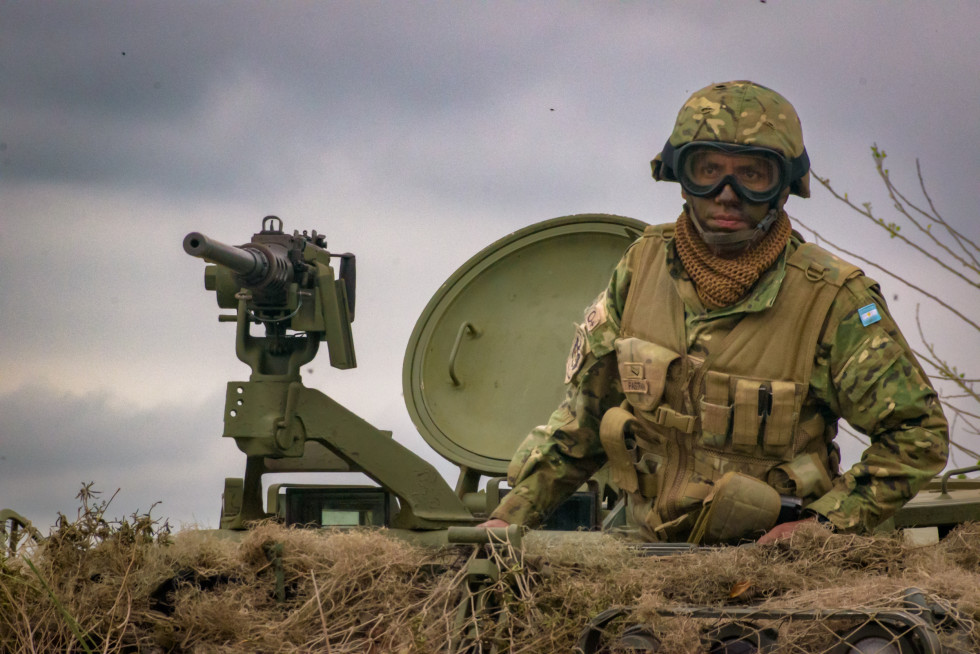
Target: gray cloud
{"x":466,"y":90}
{"x":53,"y":442}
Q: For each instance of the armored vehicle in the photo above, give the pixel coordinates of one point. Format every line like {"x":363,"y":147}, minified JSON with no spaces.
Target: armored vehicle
{"x":477,"y":375}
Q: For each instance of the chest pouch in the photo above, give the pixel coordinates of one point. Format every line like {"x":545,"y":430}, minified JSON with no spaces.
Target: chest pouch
{"x":769,"y":409}
{"x":643,"y":368}
{"x":784,"y":412}
{"x":614,"y":432}
{"x":716,"y":410}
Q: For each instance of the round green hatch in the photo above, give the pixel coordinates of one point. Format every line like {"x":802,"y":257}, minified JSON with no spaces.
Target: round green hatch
{"x":486,"y":361}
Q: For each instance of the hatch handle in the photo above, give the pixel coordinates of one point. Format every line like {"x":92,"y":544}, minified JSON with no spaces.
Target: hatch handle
{"x":465,"y":328}
{"x":950,"y":473}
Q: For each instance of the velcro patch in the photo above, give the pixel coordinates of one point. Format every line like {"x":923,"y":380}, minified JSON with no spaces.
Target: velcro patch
{"x":869,"y":315}
{"x":595,"y":315}
{"x":577,"y":354}
{"x":635,"y":386}
{"x":631,"y":371}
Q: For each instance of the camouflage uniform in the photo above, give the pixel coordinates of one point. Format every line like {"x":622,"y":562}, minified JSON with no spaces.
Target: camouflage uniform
{"x":865,"y":374}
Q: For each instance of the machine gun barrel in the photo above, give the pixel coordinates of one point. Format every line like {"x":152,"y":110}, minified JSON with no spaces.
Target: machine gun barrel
{"x":246,"y":262}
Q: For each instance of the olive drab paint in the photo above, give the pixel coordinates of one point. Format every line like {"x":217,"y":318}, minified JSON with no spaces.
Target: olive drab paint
{"x":286,"y":285}
{"x":473,"y":391}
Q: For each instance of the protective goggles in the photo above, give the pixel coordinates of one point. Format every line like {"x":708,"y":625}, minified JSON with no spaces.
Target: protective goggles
{"x":756,"y":174}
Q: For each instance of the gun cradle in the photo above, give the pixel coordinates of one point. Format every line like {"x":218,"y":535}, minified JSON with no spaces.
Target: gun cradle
{"x":270,"y":420}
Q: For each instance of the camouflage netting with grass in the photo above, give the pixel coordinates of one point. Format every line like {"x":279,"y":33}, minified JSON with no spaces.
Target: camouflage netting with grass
{"x":129,"y":585}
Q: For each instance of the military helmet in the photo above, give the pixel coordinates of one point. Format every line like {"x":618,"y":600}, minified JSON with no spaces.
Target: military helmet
{"x":739,"y":113}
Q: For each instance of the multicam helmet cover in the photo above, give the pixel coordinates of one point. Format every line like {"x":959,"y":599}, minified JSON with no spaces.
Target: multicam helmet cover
{"x":740,"y":113}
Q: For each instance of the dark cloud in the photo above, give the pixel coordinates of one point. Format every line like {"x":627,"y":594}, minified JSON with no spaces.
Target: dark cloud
{"x":236,"y":100}
{"x":271,"y":87}
{"x":171,"y":94}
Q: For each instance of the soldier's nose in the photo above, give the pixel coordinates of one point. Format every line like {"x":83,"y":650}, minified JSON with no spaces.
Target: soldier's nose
{"x":727,"y":195}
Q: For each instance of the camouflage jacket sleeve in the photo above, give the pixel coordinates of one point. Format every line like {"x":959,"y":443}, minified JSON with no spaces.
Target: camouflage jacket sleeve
{"x":556,"y":458}
{"x":866,"y":373}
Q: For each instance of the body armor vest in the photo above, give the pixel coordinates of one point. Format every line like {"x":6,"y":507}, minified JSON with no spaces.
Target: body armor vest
{"x":742,"y":405}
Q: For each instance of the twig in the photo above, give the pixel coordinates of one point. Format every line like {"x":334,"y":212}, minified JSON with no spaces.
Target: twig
{"x":957,"y":235}
{"x":319,"y":606}
{"x":72,"y":624}
{"x":854,"y":435}
{"x":898,"y":198}
{"x":945,"y":370}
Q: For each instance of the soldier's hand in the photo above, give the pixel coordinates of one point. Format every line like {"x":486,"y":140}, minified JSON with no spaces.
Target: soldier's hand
{"x":782,"y":531}
{"x":493,"y":523}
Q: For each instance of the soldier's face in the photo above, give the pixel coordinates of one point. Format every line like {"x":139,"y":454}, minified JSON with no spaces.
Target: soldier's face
{"x":727,"y":212}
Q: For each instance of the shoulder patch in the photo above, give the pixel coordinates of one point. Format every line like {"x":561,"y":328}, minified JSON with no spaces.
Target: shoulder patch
{"x":580,"y":347}
{"x":869,"y":314}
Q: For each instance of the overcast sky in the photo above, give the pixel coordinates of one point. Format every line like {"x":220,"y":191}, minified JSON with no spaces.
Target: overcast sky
{"x":412,"y":134}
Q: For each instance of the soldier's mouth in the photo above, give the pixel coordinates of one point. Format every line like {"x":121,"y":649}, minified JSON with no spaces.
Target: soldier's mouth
{"x":729,"y":222}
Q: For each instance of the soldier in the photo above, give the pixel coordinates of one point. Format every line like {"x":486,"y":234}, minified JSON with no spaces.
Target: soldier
{"x":712,"y":371}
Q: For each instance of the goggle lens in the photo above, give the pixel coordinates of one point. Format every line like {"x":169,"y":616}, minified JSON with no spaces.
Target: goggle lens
{"x":756,"y":176}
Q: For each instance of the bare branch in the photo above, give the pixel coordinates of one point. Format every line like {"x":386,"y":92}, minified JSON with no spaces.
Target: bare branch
{"x":898,"y":198}
{"x":958,"y":410}
{"x":956,"y":234}
{"x":946,"y":371}
{"x":971,"y":453}
{"x":853,"y":434}
{"x":950,"y":245}
{"x":866,"y":212}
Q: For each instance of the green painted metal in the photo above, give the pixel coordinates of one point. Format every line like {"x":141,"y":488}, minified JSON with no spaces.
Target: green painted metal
{"x":485,"y":361}
{"x":943,"y":503}
{"x":13,"y":528}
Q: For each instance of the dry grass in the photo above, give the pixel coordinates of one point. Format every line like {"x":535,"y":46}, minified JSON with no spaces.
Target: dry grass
{"x":129,"y":585}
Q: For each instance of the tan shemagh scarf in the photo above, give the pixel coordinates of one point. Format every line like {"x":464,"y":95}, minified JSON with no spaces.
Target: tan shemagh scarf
{"x":723,"y":282}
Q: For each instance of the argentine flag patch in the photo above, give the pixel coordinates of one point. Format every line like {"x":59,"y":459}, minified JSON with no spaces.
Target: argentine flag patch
{"x":869,"y":315}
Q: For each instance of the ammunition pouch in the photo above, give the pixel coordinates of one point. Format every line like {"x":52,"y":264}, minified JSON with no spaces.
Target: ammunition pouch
{"x":739,"y":507}
{"x":613,"y":429}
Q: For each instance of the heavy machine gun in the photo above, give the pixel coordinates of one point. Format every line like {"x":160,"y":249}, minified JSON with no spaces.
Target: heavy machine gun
{"x":287,"y":285}
{"x":286,"y":282}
